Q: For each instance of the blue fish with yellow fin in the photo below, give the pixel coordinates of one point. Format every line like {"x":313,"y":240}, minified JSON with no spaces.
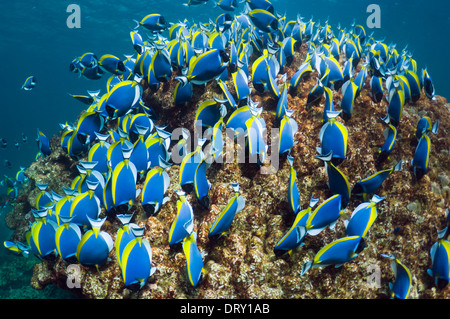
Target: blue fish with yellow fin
{"x":288,"y":128}
{"x":295,"y":235}
{"x":201,"y":184}
{"x":362,"y":218}
{"x":67,"y":238}
{"x":224,"y":220}
{"x":336,"y":253}
{"x":137,"y":261}
{"x":293,"y":194}
{"x":29,"y":84}
{"x":17,"y":248}
{"x":95,"y":245}
{"x":440,"y":269}
{"x":189,"y":165}
{"x":85,"y":205}
{"x":337,"y":180}
{"x":124,"y":235}
{"x":333,"y":137}
{"x":42,"y":234}
{"x":183,"y":225}
{"x":155,"y":186}
{"x":401,"y":288}
{"x":370,"y":184}
{"x":194,"y":259}
{"x":326,"y":214}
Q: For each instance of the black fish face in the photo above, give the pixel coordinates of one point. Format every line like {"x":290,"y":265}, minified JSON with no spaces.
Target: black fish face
{"x":149,"y":209}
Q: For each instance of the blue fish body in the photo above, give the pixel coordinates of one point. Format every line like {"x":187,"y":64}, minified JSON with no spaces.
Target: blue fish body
{"x":44,"y":144}
{"x":225,"y":219}
{"x":401,"y":288}
{"x":421,"y":156}
{"x":67,"y":238}
{"x":183,"y":91}
{"x":183,"y":225}
{"x":194,"y":259}
{"x":370,"y":184}
{"x":263,"y":20}
{"x":94,"y":246}
{"x":29,"y":83}
{"x":207,"y":66}
{"x":155,"y":185}
{"x":362,"y":218}
{"x":43,"y":235}
{"x":336,"y":253}
{"x":296,"y":233}
{"x":137,"y":261}
{"x":440,"y":257}
{"x":326,"y":214}
{"x":333,"y":138}
{"x":124,"y":235}
{"x":201,"y":184}
{"x":349,"y":90}
{"x":122,"y":98}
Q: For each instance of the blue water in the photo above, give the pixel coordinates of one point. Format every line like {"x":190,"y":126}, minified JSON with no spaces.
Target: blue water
{"x":35,"y":40}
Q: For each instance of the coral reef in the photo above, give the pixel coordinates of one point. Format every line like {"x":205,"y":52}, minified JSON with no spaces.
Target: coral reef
{"x":242,"y":264}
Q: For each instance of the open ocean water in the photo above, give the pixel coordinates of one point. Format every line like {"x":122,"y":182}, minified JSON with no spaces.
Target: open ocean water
{"x":35,"y":40}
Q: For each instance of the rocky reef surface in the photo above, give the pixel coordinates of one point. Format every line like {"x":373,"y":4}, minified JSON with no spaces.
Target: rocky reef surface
{"x":242,"y":264}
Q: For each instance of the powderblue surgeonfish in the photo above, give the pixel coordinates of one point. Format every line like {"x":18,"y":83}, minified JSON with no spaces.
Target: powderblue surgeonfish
{"x":288,"y":128}
{"x":227,"y":5}
{"x":43,"y":143}
{"x":256,"y":129}
{"x":240,"y":81}
{"x":337,"y":180}
{"x":293,"y":194}
{"x":41,"y":238}
{"x":440,"y":269}
{"x":95,"y":245}
{"x":137,"y":261}
{"x":225,"y":219}
{"x":158,"y":145}
{"x":97,"y":153}
{"x":201,"y":184}
{"x":362,"y":218}
{"x":122,"y":98}
{"x":123,"y":182}
{"x":349,"y":90}
{"x":295,"y":235}
{"x":425,"y":126}
{"x":414,"y":84}
{"x":189,"y":166}
{"x":112,"y":64}
{"x":124,"y":235}
{"x":155,"y":186}
{"x":263,"y":20}
{"x":85,"y":205}
{"x":316,"y":93}
{"x":183,"y":224}
{"x":153,"y":22}
{"x":183,"y":90}
{"x":401,"y":287}
{"x":329,"y":104}
{"x":396,"y":103}
{"x":67,"y":238}
{"x":29,"y":83}
{"x":421,"y":156}
{"x":390,"y":134}
{"x":376,"y":89}
{"x":427,"y":84}
{"x":326,"y":214}
{"x":282,"y":103}
{"x":370,"y":184}
{"x":207,"y":66}
{"x":17,"y":248}
{"x":194,"y":259}
{"x":208,"y":113}
{"x":333,"y":137}
{"x":336,"y":253}
{"x":43,"y":198}
{"x":161,"y":64}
